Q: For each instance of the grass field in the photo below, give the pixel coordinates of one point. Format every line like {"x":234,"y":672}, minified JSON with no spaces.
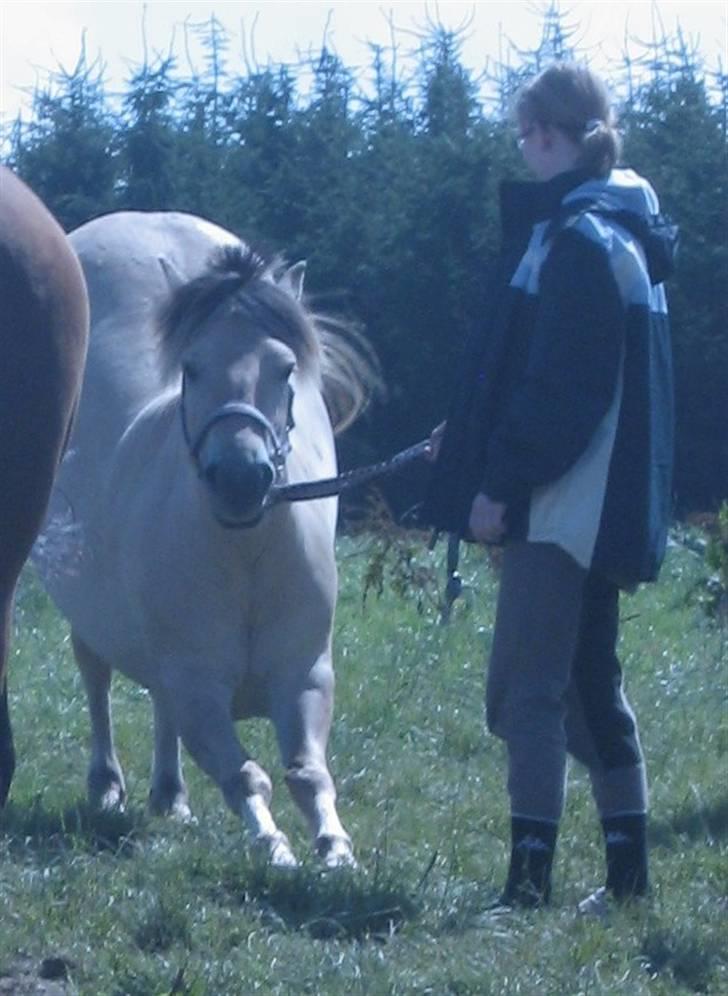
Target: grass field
{"x":128,"y":905}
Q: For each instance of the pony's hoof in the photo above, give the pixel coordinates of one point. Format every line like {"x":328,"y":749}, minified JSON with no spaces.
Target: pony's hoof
{"x":181,"y":813}
{"x":335,"y":852}
{"x":106,"y":790}
{"x":276,"y":850}
{"x":107,"y":799}
{"x":175,"y":807}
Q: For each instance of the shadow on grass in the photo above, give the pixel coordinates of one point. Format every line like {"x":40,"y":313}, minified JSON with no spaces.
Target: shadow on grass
{"x":696,"y":822}
{"x":339,"y":904}
{"x":38,"y":828}
{"x":692,"y":962}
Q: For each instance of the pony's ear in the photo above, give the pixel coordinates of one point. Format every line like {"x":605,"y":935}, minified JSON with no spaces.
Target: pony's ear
{"x":174,"y":278}
{"x":292,"y":279}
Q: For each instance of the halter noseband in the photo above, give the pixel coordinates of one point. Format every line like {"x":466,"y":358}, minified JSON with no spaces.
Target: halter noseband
{"x":278,"y":449}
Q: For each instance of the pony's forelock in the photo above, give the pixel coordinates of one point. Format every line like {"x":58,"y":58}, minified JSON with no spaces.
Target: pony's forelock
{"x":328,"y":349}
{"x":230,"y":270}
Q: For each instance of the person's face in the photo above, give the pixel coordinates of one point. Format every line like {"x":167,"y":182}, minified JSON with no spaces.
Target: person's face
{"x":533,"y":143}
{"x":546,"y":150}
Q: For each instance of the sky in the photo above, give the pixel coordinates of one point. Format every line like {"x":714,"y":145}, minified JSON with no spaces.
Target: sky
{"x":37,"y":37}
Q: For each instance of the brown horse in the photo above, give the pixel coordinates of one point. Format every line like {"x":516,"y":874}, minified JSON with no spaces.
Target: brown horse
{"x":43,"y":337}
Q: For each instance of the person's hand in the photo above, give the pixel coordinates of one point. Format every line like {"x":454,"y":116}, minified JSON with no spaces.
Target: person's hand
{"x":487,"y":519}
{"x":434,"y":443}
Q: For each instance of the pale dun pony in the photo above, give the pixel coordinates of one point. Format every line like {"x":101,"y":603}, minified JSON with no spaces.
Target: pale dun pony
{"x":175,"y":571}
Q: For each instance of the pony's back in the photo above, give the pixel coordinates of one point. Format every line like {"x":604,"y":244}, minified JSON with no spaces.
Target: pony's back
{"x":132,"y":261}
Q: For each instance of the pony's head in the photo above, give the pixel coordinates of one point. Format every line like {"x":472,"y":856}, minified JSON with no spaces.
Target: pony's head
{"x":240,"y":335}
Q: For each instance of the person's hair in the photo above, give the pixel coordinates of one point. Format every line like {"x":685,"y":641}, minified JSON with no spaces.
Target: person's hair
{"x":572,"y":98}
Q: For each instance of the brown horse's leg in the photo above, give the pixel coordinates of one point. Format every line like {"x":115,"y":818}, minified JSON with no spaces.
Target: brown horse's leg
{"x":7,"y":748}
{"x":106,"y":788}
{"x":24,"y":496}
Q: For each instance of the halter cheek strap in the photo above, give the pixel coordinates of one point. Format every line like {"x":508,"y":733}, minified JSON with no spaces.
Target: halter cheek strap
{"x":278,"y":449}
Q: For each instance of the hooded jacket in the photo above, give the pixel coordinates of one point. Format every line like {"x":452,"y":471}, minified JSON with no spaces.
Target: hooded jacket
{"x":564,"y":408}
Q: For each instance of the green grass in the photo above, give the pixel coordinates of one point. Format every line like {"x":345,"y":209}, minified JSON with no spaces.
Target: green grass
{"x":129,"y":905}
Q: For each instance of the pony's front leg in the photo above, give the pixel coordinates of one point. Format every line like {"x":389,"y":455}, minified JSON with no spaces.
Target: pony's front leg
{"x":168,"y":793}
{"x":303,"y":721}
{"x":106,"y":788}
{"x":202,"y":711}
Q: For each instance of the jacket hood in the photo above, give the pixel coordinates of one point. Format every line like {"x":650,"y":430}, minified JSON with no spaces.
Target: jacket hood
{"x":621,"y":190}
{"x":631,"y":201}
{"x":623,"y":195}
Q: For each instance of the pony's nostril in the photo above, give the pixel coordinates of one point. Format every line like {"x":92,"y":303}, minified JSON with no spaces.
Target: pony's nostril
{"x":237,"y":485}
{"x":266,"y":476}
{"x":209,"y":473}
{"x":259,"y":482}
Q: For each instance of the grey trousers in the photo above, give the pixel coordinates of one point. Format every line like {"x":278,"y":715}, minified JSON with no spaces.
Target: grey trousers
{"x":554,"y":685}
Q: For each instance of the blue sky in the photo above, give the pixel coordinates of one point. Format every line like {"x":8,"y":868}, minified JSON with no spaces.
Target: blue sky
{"x":36,"y":36}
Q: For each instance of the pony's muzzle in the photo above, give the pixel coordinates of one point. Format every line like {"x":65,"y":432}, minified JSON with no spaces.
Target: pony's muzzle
{"x":238,"y":487}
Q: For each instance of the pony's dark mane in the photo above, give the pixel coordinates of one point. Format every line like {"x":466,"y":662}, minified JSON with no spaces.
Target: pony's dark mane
{"x":244,"y":279}
{"x":256,"y":287}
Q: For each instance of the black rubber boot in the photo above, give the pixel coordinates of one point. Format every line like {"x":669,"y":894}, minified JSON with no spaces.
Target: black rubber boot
{"x":532,"y":853}
{"x":625,"y":839}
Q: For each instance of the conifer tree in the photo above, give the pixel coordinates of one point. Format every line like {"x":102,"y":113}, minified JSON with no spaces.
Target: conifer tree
{"x":261,"y":172}
{"x":675,"y":135}
{"x":67,"y":152}
{"x":147,"y":139}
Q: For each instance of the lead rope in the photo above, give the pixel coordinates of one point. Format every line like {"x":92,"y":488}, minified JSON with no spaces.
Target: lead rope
{"x":329,"y":486}
{"x":454,"y":583}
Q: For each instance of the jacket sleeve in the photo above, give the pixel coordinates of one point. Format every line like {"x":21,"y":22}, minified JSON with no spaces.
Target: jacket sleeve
{"x":570,"y":376}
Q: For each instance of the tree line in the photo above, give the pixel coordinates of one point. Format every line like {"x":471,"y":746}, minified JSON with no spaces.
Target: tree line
{"x":387,"y":184}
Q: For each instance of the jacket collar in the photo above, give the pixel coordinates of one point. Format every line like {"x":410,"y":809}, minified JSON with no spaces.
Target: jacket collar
{"x":523,"y":203}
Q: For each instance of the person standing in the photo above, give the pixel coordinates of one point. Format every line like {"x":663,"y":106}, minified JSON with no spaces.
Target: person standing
{"x":559,"y":445}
